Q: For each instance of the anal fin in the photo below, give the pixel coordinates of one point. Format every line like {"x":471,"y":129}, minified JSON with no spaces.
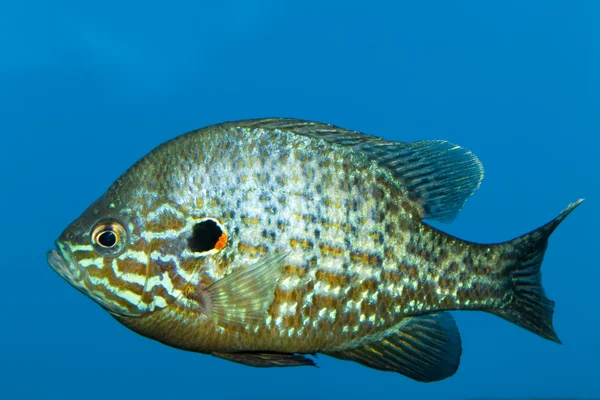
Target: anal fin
{"x":266,"y":360}
{"x":426,"y":348}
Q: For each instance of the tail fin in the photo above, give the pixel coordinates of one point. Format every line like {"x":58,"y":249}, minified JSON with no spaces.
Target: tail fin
{"x":530,"y":308}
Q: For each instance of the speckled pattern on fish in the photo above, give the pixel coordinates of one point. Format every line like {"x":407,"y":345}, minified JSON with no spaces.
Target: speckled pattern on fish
{"x":261,"y":241}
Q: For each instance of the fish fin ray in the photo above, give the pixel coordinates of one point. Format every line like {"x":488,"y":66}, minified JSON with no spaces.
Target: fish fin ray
{"x":426,"y":348}
{"x":267,"y":360}
{"x":245,"y":294}
{"x":530,"y":308}
{"x":436,"y":174}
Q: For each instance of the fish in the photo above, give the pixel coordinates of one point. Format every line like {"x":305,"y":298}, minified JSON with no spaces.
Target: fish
{"x":267,"y":242}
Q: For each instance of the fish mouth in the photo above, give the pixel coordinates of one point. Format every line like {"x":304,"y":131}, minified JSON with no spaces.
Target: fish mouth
{"x":56,"y":261}
{"x":60,"y":265}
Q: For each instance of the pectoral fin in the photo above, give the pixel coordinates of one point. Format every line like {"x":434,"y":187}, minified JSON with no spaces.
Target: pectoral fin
{"x":265,"y":360}
{"x":244,"y":295}
{"x":425,"y":348}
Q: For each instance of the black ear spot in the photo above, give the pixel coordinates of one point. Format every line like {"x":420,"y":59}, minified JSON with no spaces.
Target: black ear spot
{"x":205,"y":236}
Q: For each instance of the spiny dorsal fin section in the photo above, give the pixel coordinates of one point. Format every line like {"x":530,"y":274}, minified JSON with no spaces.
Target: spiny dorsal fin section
{"x":266,"y":360}
{"x":425,"y":348}
{"x":436,"y":174}
{"x":327,"y":132}
{"x":244,"y":295}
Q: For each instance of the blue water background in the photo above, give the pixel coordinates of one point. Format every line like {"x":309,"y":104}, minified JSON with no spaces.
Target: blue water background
{"x":86,"y":88}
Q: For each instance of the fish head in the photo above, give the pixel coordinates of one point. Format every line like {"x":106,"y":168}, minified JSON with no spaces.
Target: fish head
{"x":102,"y":254}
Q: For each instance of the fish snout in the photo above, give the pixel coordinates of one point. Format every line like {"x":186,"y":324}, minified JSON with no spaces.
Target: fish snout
{"x":61,"y":266}
{"x":56,"y":261}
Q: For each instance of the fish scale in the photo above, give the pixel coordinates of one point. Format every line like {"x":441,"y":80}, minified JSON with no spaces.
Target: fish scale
{"x":259,"y":241}
{"x":301,"y":220}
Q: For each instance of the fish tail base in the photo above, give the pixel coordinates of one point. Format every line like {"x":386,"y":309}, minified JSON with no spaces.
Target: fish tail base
{"x":529,"y":307}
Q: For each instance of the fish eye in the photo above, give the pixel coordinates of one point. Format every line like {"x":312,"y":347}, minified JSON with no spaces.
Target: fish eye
{"x":108,"y":237}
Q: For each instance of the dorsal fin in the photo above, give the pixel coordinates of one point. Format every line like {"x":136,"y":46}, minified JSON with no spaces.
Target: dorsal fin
{"x":437,"y":175}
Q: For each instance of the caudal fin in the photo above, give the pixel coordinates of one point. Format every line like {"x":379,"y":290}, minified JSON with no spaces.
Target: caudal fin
{"x":530,"y":308}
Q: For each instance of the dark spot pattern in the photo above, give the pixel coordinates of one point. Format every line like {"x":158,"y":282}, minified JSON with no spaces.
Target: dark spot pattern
{"x":204,"y":236}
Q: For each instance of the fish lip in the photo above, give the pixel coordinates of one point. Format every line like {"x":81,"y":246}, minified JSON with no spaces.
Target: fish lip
{"x":60,"y":265}
{"x":57,"y":261}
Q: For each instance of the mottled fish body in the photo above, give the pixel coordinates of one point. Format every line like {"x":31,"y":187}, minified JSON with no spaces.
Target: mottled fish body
{"x":262,"y":241}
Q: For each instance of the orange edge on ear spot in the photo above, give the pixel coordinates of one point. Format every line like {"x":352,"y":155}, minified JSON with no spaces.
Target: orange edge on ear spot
{"x":220,"y":245}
